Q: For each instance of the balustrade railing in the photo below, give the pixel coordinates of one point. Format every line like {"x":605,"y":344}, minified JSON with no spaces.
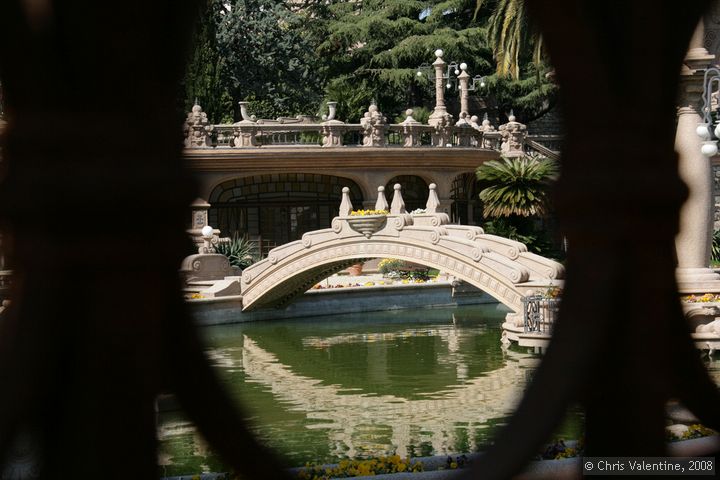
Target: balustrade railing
{"x":511,"y":139}
{"x":539,"y":313}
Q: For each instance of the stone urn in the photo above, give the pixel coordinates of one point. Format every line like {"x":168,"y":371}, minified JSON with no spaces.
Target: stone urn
{"x":367,"y":224}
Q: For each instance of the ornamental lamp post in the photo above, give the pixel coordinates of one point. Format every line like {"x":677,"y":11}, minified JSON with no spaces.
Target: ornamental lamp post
{"x":705,"y":130}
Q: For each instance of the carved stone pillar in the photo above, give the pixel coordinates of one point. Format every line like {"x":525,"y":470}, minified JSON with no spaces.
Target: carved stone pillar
{"x":332,"y":129}
{"x":440,"y":111}
{"x":199,"y":219}
{"x":374,"y":125}
{"x":485,"y":127}
{"x":196,"y":129}
{"x":440,"y":118}
{"x":513,"y":137}
{"x":694,"y":240}
{"x":466,"y":134}
{"x":411,"y":130}
{"x":463,"y":78}
{"x":246,"y":129}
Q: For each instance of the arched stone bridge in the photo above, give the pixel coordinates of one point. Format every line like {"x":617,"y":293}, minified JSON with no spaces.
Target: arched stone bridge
{"x":501,"y":267}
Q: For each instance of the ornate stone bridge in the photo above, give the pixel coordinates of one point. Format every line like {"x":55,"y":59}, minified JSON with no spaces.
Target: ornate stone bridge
{"x":501,"y":267}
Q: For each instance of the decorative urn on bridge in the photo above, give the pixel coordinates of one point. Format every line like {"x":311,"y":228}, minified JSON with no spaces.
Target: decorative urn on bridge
{"x":367,"y":222}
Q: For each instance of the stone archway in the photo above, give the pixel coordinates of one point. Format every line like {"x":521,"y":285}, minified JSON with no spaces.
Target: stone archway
{"x":415,"y":190}
{"x":496,"y":265}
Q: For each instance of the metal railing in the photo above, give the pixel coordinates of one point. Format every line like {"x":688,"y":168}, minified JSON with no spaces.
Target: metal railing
{"x":539,"y":313}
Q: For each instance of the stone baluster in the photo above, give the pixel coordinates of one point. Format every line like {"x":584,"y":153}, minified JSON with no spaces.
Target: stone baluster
{"x":411,"y":130}
{"x":398,"y":204}
{"x":513,"y":137}
{"x":381,"y":203}
{"x":197,"y":129}
{"x":332,"y":129}
{"x":433,"y":202}
{"x":345,"y":205}
{"x":246,"y":129}
{"x":374,"y":125}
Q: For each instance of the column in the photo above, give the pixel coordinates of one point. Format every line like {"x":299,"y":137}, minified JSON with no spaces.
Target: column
{"x":694,"y":240}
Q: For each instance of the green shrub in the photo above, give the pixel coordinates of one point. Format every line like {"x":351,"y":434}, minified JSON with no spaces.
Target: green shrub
{"x":239,"y":251}
{"x":388,"y":265}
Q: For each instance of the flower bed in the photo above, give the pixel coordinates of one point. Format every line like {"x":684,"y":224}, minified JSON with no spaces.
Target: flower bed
{"x":707,"y":298}
{"x":359,"y":468}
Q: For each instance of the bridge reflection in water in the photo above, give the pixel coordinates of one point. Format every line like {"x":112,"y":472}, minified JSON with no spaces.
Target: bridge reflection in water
{"x":415,"y":383}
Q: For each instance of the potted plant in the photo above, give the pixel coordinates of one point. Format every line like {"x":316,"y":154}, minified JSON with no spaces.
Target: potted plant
{"x":367,"y":222}
{"x":356,"y":269}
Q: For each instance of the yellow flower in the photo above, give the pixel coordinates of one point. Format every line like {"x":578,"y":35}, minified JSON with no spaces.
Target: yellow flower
{"x":360,"y":213}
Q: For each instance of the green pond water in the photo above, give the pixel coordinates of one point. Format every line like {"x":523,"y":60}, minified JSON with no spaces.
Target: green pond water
{"x":412,"y":382}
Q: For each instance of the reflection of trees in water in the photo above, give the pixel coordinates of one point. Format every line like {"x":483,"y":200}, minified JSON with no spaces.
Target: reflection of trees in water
{"x":353,"y":420}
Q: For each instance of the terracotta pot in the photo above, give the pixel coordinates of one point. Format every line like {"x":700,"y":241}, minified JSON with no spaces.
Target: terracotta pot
{"x":355,"y":269}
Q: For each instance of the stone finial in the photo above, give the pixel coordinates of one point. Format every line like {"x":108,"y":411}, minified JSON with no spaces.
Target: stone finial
{"x":246,"y":129}
{"x":433,"y":202}
{"x":345,"y":205}
{"x":411,"y":130}
{"x":409,"y":120}
{"x":197,"y":128}
{"x":381,"y":203}
{"x":486,"y":123}
{"x":246,"y":117}
{"x":332,"y":110}
{"x":513,"y":137}
{"x":332,"y":129}
{"x":374,"y":125}
{"x":398,"y":204}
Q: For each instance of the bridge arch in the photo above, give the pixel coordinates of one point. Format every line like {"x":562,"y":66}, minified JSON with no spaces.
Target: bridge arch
{"x":501,"y":267}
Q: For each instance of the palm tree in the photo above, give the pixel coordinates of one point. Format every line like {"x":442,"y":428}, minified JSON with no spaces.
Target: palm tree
{"x":516,"y":186}
{"x":512,"y":36}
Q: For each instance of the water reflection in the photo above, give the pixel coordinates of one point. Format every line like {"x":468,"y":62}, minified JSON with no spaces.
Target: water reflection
{"x":415,"y":383}
{"x":353,"y":420}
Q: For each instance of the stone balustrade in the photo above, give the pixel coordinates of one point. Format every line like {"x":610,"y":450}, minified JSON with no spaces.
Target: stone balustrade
{"x":372,"y":131}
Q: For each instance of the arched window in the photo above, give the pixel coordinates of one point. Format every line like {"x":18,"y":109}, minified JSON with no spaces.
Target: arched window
{"x":414,"y":191}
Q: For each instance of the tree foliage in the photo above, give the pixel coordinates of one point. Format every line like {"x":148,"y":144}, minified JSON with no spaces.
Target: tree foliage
{"x":203,"y":81}
{"x":267,"y":59}
{"x":284,"y":57}
{"x":513,"y":38}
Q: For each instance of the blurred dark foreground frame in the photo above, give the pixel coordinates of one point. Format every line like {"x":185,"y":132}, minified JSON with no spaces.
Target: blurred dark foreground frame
{"x":98,"y":328}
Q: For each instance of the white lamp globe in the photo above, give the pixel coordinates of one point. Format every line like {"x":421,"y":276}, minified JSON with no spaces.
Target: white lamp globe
{"x":463,"y":66}
{"x":439,"y":53}
{"x":448,"y":85}
{"x":207,"y":231}
{"x":717,"y":130}
{"x":419,"y":73}
{"x":482,"y":83}
{"x":703,"y":131}
{"x":457,"y":72}
{"x":709,"y":149}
